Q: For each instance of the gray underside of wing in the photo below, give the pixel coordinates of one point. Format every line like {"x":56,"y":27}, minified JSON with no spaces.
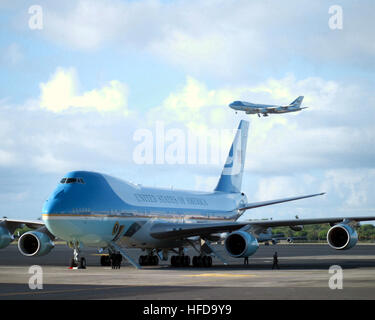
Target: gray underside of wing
{"x":177,"y":231}
{"x":164,"y":231}
{"x":13,"y":224}
{"x":296,"y":222}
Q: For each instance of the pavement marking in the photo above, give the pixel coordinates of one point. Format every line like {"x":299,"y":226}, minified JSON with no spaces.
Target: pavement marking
{"x":32,"y":292}
{"x":221,"y":275}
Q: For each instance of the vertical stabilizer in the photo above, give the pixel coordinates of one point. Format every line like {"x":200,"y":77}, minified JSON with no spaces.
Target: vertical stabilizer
{"x":297,"y":102}
{"x":231,"y":176}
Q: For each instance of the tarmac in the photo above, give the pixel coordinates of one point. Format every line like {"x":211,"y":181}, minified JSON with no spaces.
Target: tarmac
{"x":303,"y":274}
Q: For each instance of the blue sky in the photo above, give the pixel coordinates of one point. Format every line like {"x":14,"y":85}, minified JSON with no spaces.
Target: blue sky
{"x":73,"y":95}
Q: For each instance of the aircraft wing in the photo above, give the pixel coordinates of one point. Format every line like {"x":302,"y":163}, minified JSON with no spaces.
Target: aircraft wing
{"x":186,"y":230}
{"x":13,"y":224}
{"x":298,"y":222}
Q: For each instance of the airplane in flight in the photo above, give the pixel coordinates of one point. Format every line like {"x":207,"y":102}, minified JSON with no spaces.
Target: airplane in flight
{"x":89,"y":209}
{"x":265,"y":109}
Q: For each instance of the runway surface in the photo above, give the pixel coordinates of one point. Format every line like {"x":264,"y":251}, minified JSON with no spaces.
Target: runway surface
{"x":303,"y":274}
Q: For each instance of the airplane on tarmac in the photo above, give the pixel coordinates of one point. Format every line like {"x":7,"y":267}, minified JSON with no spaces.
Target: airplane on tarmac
{"x":89,"y":209}
{"x":265,"y":109}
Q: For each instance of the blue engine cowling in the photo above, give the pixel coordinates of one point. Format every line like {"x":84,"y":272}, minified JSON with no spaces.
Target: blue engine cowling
{"x":341,"y":237}
{"x":5,"y":237}
{"x":241,"y":244}
{"x":35,"y":243}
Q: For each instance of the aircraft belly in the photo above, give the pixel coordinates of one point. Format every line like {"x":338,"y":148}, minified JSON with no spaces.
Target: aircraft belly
{"x":89,"y":230}
{"x":94,"y":231}
{"x":151,"y":243}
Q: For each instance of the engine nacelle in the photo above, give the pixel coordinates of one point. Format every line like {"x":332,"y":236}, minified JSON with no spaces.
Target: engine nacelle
{"x":5,"y":237}
{"x":341,"y":237}
{"x":241,"y":244}
{"x":35,"y":243}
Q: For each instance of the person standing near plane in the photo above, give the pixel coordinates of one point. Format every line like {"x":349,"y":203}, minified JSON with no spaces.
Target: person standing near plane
{"x":275,"y":261}
{"x":119,"y":261}
{"x":246,"y":260}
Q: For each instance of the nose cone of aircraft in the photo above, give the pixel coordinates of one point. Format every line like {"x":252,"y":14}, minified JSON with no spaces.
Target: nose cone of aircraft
{"x":235,"y":104}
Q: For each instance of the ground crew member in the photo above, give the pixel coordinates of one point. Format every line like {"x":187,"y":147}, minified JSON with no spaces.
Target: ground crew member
{"x":275,"y":261}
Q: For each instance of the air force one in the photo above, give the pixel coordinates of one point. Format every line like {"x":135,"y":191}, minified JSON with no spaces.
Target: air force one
{"x":89,"y":209}
{"x":265,"y":109}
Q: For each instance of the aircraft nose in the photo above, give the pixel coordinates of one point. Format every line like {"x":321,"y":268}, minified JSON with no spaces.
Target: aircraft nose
{"x":50,"y":206}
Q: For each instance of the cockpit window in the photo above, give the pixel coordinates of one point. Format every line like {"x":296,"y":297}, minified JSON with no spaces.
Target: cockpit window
{"x":72,"y":180}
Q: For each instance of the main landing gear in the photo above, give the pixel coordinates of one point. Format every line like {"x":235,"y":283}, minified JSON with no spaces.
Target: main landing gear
{"x":180,"y":261}
{"x":198,"y":261}
{"x":148,"y":260}
{"x":202,"y":261}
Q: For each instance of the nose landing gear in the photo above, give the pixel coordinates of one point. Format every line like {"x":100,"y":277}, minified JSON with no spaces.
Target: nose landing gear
{"x":77,"y":261}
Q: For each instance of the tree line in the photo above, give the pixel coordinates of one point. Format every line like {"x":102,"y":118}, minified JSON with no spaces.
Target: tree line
{"x":315,"y":232}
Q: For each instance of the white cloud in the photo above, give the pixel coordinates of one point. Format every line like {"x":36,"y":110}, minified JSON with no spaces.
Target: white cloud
{"x":354,"y":187}
{"x":325,"y":136}
{"x":47,"y":162}
{"x":60,"y":93}
{"x":276,"y":187}
{"x":228,"y":38}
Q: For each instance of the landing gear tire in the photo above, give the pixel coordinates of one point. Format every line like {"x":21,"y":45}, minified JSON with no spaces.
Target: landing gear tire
{"x":202,"y":261}
{"x":148,"y":260}
{"x":180,"y":261}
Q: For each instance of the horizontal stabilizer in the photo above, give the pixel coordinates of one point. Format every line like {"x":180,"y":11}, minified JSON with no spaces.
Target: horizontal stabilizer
{"x":270,"y":202}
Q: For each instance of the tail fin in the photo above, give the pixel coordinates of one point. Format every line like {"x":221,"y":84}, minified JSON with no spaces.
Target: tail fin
{"x":297,"y":102}
{"x":231,"y":176}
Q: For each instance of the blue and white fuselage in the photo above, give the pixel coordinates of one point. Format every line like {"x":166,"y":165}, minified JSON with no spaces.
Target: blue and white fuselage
{"x":91,"y":208}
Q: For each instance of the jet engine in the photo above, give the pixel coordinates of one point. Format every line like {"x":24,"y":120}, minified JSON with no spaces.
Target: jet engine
{"x":241,"y":244}
{"x":5,"y":237}
{"x":341,"y":237}
{"x":36,"y":243}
